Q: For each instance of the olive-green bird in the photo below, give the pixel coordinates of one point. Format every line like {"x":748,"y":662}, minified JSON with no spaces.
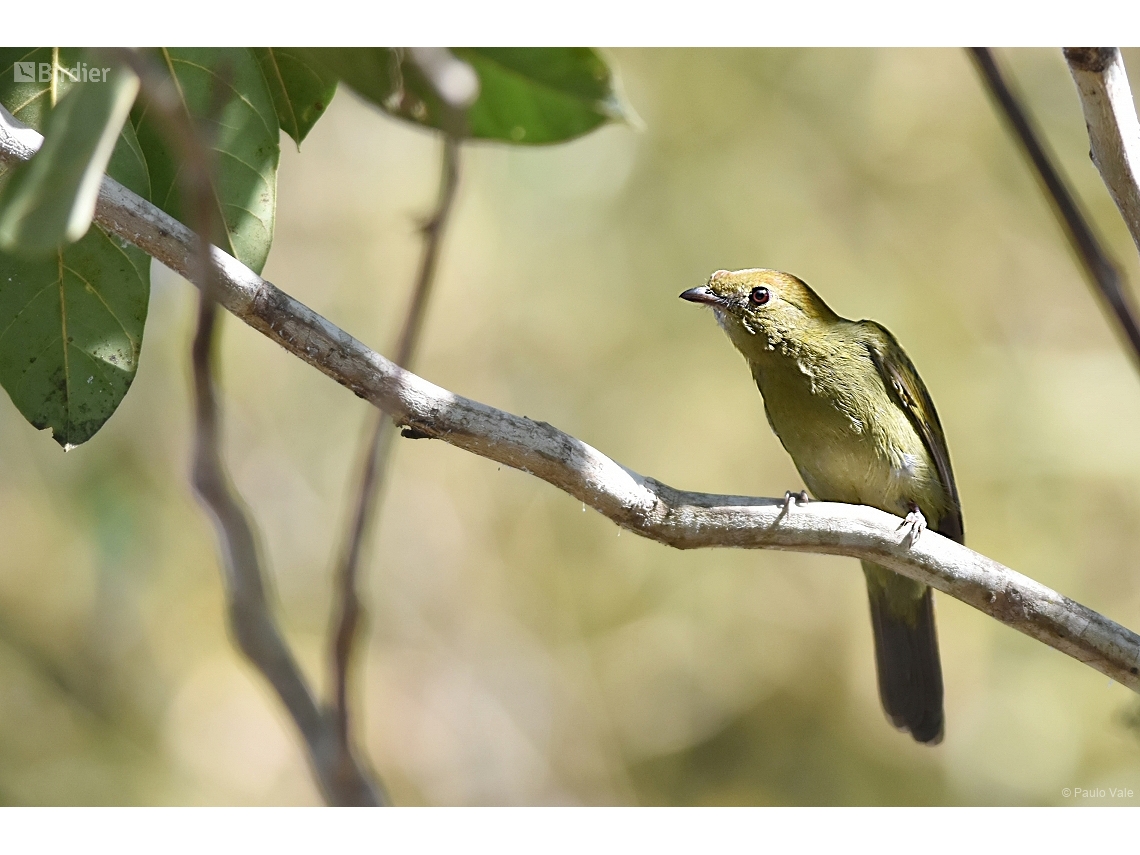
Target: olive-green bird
{"x":850,"y":409}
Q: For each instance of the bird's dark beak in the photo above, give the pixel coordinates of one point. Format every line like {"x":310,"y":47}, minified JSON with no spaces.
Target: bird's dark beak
{"x":701,"y":294}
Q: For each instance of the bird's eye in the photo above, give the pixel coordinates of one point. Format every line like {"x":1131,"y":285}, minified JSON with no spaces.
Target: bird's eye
{"x":759,"y":296}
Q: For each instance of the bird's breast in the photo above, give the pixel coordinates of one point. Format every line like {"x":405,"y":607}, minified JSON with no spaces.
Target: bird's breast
{"x":849,"y":440}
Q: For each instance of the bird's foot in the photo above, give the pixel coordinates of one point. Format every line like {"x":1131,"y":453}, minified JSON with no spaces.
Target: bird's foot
{"x":916,"y":522}
{"x":790,"y":498}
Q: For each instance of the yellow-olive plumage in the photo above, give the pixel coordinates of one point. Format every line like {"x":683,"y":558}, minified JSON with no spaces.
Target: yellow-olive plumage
{"x":850,"y":409}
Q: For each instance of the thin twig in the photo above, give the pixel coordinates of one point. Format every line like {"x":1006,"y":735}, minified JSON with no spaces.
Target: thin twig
{"x":1103,"y":274}
{"x":1114,"y":132}
{"x":457,"y":87}
{"x":251,"y":618}
{"x":642,"y":505}
{"x":377,"y":448}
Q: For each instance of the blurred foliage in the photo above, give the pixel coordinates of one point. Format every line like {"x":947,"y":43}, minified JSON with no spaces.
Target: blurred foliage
{"x":522,"y":651}
{"x":527,"y":96}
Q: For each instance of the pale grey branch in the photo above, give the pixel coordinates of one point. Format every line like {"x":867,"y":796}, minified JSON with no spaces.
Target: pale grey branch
{"x":642,"y":505}
{"x":1114,"y":133}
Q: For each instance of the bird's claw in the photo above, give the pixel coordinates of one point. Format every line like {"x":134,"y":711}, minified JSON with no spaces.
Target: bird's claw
{"x":917,"y":524}
{"x":800,"y":498}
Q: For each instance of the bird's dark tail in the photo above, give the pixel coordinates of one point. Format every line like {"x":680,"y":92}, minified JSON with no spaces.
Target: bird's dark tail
{"x":906,"y":652}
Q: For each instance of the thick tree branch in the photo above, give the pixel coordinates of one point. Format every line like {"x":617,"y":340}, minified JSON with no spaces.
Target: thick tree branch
{"x":642,"y":505}
{"x":1114,"y":133}
{"x":1100,"y":269}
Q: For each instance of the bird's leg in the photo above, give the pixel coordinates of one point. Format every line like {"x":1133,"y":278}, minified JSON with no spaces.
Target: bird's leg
{"x":917,"y":523}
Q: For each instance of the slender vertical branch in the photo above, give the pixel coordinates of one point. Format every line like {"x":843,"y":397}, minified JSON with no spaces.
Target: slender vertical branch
{"x":376,"y":450}
{"x":456,"y":85}
{"x":1103,"y":274}
{"x":1114,"y":131}
{"x":250,"y":615}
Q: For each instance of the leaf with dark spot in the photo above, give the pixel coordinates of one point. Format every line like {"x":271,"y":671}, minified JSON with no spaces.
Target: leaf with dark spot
{"x":71,"y":324}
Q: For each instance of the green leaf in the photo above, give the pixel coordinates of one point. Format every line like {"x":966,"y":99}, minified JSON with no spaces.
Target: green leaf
{"x":70,"y":333}
{"x":301,"y":88}
{"x":51,"y":199}
{"x":225,"y":92}
{"x":31,"y":100}
{"x":527,"y":96}
{"x":373,"y":72}
{"x":71,"y":325}
{"x":540,"y":95}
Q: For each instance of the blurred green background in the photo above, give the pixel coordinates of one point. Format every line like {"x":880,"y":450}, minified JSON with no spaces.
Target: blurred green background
{"x":520,"y":650}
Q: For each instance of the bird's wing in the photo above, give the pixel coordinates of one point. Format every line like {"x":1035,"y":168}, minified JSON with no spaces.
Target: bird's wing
{"x":907,"y":389}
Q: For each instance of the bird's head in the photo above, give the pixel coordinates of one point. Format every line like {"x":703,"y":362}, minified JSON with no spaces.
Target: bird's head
{"x":759,"y":308}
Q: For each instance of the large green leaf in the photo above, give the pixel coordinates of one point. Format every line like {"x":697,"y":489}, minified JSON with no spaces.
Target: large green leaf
{"x":301,"y":88}
{"x":225,"y":92}
{"x":540,"y":95}
{"x":71,"y":325}
{"x":70,"y":333}
{"x":528,"y":96}
{"x":50,"y":200}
